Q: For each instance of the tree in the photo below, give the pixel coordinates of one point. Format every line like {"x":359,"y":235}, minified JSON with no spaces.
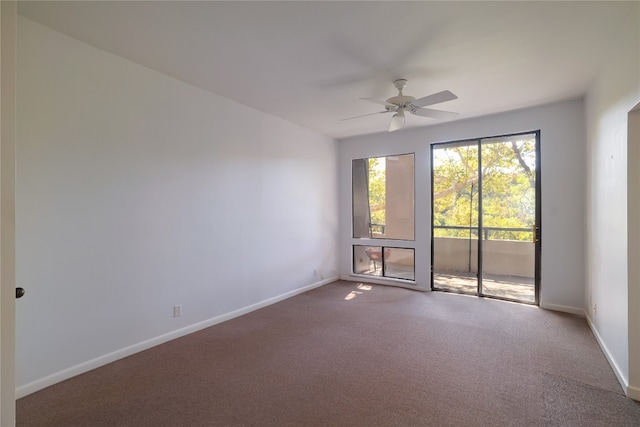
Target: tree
{"x":377,"y":190}
{"x":508,"y":188}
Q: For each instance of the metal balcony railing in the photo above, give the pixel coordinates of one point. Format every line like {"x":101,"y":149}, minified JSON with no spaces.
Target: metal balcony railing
{"x":377,"y":228}
{"x":486,"y":231}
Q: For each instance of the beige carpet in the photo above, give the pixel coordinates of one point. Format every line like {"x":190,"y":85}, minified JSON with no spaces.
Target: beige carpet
{"x":344,"y":356}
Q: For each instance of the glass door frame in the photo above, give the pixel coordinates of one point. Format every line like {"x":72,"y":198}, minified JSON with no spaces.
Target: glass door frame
{"x":538,"y":217}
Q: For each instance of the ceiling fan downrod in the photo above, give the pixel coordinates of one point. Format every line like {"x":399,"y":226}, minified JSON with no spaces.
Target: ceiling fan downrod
{"x":400,"y":84}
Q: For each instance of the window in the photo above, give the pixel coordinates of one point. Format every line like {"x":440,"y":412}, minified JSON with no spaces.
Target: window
{"x":384,"y":261}
{"x":383,"y":197}
{"x":383,"y":208}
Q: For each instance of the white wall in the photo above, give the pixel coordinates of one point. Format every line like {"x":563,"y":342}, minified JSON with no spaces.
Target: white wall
{"x":612,"y":96}
{"x":137,"y":192}
{"x":633,"y":255}
{"x":562,"y":178}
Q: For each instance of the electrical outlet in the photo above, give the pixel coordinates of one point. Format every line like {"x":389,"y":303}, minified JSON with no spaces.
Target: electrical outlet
{"x":177,"y":310}
{"x":315,"y":271}
{"x":595,"y":309}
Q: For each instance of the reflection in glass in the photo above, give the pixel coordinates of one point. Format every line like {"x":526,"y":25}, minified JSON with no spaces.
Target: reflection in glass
{"x":399,"y":263}
{"x":367,"y":260}
{"x":384,"y":262}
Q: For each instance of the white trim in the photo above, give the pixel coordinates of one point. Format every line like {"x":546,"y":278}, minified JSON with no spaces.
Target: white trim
{"x":616,"y":369}
{"x":408,"y":284}
{"x":564,"y":308}
{"x":633,"y":392}
{"x":144,"y":345}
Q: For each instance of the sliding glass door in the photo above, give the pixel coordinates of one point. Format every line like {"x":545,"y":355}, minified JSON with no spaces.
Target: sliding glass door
{"x":486,"y":217}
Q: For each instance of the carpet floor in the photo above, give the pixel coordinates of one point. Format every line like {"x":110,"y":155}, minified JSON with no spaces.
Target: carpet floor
{"x":351,"y":355}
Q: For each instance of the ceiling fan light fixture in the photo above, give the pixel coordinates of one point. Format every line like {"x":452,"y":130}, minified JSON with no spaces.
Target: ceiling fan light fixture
{"x":400,"y":103}
{"x":397,"y":121}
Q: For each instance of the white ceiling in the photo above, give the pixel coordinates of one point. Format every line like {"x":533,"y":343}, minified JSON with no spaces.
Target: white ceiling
{"x":310,"y":62}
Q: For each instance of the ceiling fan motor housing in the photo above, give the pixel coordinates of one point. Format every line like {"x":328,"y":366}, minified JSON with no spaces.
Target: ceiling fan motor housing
{"x":400,"y":101}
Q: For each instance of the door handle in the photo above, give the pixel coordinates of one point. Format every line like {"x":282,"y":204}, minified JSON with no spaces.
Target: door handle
{"x":19,"y":292}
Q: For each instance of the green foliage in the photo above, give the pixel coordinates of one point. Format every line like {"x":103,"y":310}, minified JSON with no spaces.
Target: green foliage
{"x":508,"y":181}
{"x":377,"y":190}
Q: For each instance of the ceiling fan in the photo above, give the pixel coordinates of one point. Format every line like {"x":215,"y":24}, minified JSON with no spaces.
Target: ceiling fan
{"x":401,"y":104}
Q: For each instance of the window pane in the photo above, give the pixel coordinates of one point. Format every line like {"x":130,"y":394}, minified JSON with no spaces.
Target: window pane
{"x":359,"y":183}
{"x":367,"y":260}
{"x":455,"y":190}
{"x":383,"y":197}
{"x":455,"y":216}
{"x":399,"y":263}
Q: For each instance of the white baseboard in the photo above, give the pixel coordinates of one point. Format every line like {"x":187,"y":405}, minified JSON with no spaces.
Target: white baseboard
{"x":563,"y":308}
{"x":89,"y":365}
{"x":624,"y":382}
{"x":633,"y":392}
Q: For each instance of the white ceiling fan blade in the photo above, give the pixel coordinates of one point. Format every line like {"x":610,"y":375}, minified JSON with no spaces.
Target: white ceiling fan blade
{"x":397,"y":121}
{"x":365,"y":115}
{"x":377,"y":101}
{"x":435,"y":114}
{"x":436,"y":98}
